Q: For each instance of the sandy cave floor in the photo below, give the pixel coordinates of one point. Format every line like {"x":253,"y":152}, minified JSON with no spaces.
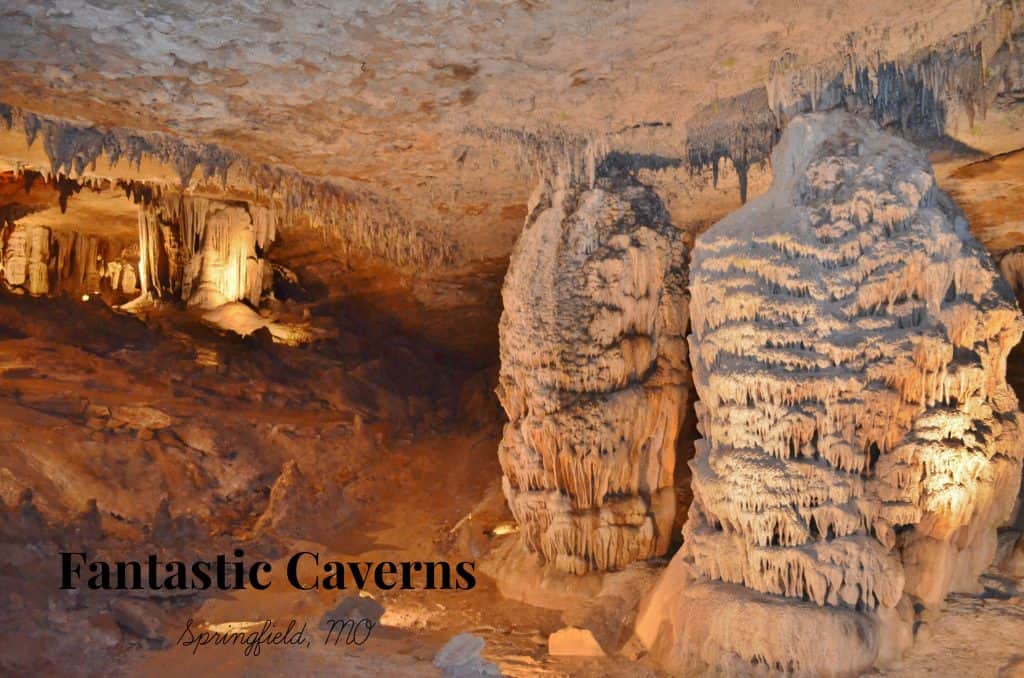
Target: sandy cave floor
{"x":393,"y":460}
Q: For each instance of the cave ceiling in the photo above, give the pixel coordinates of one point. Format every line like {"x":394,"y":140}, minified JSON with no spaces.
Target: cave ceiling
{"x":410,"y":102}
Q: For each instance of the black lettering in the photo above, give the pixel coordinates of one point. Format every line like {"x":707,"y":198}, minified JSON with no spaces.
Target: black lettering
{"x":379,"y":574}
{"x":358,"y":575}
{"x":175,"y":580}
{"x":67,"y":570}
{"x":464,"y":571}
{"x":293,"y":570}
{"x":254,"y":575}
{"x":446,"y":575}
{"x":201,"y":573}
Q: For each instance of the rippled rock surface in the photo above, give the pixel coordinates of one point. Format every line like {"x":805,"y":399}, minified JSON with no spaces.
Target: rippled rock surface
{"x":860,"y":442}
{"x":593,"y":374}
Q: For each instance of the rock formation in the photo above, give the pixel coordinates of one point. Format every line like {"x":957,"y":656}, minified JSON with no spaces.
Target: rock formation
{"x":26,"y":255}
{"x":38,"y":260}
{"x":593,"y":373}
{"x":203,"y":252}
{"x":860,"y":443}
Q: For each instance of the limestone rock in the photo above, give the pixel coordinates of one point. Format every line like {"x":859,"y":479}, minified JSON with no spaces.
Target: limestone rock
{"x":26,"y":255}
{"x":140,"y":417}
{"x":229,"y":269}
{"x":200,"y":437}
{"x":1014,"y":562}
{"x":41,"y":261}
{"x":140,"y":617}
{"x":203,"y":252}
{"x":460,"y":658}
{"x":573,"y":642}
{"x":521,"y":575}
{"x":355,"y":608}
{"x":609,"y":616}
{"x":103,"y":630}
{"x":593,"y":373}
{"x":849,"y":344}
{"x":289,"y":500}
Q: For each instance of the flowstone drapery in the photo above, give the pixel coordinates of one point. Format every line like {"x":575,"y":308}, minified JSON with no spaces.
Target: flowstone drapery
{"x":860,"y":442}
{"x":593,"y":373}
{"x":204,"y":252}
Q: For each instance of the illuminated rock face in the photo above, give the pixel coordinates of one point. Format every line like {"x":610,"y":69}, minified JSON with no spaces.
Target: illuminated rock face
{"x":204,"y":252}
{"x":860,"y":443}
{"x":593,"y":374}
{"x":39,"y":261}
{"x":26,"y":258}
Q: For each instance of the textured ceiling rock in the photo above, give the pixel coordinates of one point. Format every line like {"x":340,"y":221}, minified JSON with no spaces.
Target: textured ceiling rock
{"x":593,"y":373}
{"x":849,"y":343}
{"x":378,"y":96}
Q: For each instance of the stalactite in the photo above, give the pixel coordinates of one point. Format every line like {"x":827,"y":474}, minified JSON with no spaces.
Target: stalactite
{"x":740,"y":129}
{"x":917,"y":95}
{"x":39,"y":261}
{"x":203,"y":252}
{"x":552,"y":152}
{"x":361,"y":221}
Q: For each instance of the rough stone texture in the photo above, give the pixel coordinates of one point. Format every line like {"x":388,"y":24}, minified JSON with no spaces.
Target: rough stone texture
{"x":26,"y":252}
{"x":141,"y":617}
{"x":356,"y":608}
{"x":460,"y":658}
{"x":574,"y":642}
{"x":140,"y":417}
{"x":593,"y":373}
{"x":1013,"y":564}
{"x":377,"y":93}
{"x":860,"y":443}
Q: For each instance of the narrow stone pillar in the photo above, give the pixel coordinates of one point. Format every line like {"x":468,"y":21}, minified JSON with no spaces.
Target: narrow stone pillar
{"x":593,"y":374}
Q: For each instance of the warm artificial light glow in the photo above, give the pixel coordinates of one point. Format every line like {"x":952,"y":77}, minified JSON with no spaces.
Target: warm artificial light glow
{"x":85,"y":297}
{"x":504,"y":528}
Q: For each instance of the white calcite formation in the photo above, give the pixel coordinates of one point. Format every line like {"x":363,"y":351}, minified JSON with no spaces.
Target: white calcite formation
{"x":593,"y":373}
{"x":203,"y":252}
{"x":39,"y":261}
{"x":860,"y":443}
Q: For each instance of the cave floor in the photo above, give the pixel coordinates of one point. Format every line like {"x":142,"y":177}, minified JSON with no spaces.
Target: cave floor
{"x":398,"y":462}
{"x":393,"y":466}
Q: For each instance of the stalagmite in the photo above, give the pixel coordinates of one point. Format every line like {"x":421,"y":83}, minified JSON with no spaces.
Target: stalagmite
{"x":860,"y":442}
{"x":593,"y":372}
{"x":26,"y":251}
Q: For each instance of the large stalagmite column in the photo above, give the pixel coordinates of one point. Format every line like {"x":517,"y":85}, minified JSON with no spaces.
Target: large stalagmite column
{"x":860,"y":443}
{"x":593,"y":374}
